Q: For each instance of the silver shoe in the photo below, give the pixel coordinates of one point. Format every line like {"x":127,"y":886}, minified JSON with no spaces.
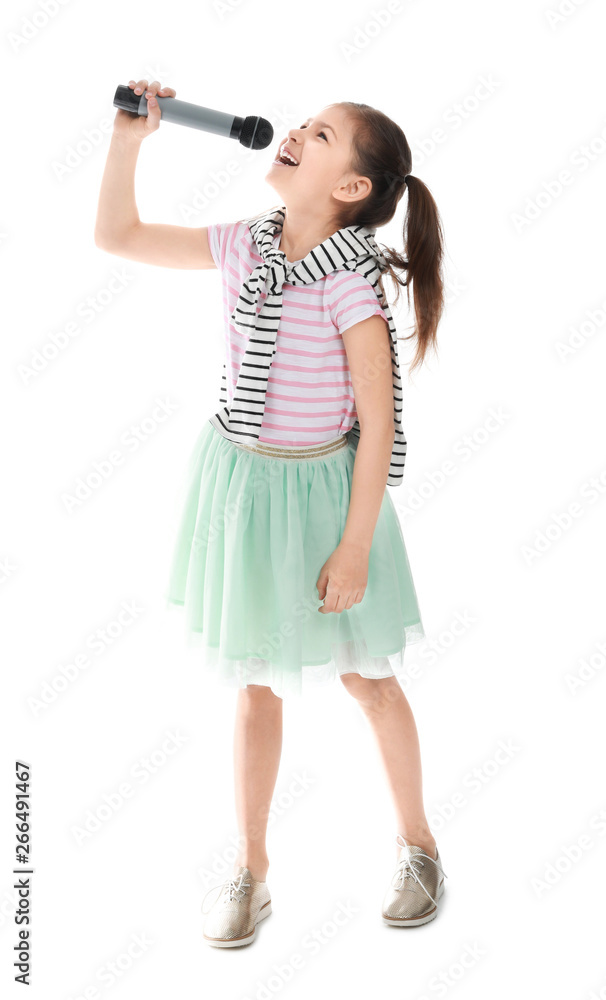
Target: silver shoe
{"x":415,"y":888}
{"x":232,"y":918}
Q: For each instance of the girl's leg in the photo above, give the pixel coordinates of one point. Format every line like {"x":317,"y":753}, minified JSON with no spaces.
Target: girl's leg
{"x":257,"y":751}
{"x":390,"y":715}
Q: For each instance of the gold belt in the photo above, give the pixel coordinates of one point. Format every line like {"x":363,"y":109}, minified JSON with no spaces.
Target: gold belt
{"x":305,"y":451}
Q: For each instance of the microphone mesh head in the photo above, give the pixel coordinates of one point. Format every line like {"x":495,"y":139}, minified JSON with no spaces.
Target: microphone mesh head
{"x":256,"y":133}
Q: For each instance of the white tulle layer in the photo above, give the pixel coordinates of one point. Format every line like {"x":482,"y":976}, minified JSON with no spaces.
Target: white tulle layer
{"x":347,"y":657}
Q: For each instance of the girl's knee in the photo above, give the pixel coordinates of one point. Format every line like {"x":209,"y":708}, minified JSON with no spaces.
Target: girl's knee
{"x":372,"y":692}
{"x":257,"y":693}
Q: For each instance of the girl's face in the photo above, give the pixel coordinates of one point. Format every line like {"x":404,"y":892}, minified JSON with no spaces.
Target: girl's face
{"x":321,"y":147}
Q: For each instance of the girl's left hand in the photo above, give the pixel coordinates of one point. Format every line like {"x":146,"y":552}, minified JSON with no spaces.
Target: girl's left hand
{"x":343,"y":579}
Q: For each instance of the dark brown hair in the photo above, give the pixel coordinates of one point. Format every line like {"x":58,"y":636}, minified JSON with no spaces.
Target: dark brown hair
{"x":380,"y":151}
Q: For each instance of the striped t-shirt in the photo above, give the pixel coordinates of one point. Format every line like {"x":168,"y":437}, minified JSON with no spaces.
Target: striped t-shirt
{"x":310,"y":396}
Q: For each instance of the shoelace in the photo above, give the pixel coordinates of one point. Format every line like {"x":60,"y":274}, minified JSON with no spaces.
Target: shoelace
{"x":406,"y":868}
{"x":232,"y":887}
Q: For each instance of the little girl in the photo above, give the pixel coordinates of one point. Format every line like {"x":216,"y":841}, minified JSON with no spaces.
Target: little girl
{"x":289,"y":561}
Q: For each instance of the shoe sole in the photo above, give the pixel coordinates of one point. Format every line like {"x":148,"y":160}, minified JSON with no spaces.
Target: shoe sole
{"x":247,"y":938}
{"x":415,"y":921}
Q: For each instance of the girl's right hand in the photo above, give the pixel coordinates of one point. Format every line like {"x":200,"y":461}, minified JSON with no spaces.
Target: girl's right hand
{"x":127,"y":126}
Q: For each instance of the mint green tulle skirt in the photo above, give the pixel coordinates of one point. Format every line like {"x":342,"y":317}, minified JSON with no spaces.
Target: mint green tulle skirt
{"x":251,"y":535}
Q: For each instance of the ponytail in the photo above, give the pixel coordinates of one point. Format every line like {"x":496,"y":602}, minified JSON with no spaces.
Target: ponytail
{"x":380,"y":151}
{"x":423,"y":241}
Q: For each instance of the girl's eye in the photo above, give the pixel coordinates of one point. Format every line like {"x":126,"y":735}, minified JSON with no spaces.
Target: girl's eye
{"x":319,"y":133}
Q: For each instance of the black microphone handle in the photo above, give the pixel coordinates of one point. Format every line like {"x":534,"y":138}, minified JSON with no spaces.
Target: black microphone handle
{"x":253,"y":132}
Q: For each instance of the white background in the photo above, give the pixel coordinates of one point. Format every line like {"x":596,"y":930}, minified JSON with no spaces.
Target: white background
{"x":525,"y":268}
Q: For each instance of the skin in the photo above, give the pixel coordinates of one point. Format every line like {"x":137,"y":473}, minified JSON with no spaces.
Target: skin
{"x":313,"y":192}
{"x":316,"y":190}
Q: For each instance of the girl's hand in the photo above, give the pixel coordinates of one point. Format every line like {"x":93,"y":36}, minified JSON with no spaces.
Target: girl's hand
{"x":129,"y":127}
{"x":343,"y":579}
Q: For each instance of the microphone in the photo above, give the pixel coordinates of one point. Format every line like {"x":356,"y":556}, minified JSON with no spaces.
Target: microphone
{"x":252,"y":131}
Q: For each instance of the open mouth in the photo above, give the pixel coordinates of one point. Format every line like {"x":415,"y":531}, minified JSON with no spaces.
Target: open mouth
{"x":285,"y":160}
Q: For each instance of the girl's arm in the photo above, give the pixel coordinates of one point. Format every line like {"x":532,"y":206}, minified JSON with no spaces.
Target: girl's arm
{"x":118,"y":228}
{"x":367,"y":345}
{"x":343,"y":578}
